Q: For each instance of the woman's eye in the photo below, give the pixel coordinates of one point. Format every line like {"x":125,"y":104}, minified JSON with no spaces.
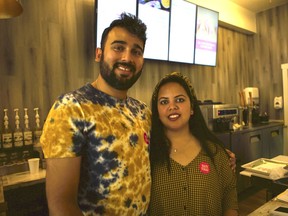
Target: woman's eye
{"x":180,"y":100}
{"x":163,"y":102}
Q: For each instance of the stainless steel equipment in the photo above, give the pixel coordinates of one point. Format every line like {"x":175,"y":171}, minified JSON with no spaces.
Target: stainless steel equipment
{"x":219,"y":117}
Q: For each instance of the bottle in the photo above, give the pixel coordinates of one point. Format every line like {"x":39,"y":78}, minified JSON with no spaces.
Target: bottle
{"x":37,"y":134}
{"x":7,"y":141}
{"x":18,"y":133}
{"x":38,"y":130}
{"x":1,"y":147}
{"x":28,"y":138}
{"x":3,"y":153}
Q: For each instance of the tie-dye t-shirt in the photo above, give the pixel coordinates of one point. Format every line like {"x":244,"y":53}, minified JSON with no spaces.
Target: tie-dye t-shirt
{"x":112,"y":137}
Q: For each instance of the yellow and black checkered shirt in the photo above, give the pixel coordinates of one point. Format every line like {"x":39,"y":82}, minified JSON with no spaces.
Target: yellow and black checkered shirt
{"x":200,"y":188}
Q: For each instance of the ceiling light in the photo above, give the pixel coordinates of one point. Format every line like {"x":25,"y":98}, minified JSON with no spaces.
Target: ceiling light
{"x":10,"y":9}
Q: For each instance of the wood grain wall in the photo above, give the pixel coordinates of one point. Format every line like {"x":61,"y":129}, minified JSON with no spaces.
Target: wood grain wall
{"x":49,"y":50}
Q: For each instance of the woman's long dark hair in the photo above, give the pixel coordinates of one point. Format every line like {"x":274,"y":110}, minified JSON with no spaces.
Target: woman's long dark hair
{"x":160,"y":145}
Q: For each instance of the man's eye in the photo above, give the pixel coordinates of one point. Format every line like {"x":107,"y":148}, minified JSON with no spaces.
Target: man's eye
{"x":118,"y":48}
{"x":137,"y":52}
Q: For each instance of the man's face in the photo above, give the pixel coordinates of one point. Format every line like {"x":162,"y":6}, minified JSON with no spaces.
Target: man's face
{"x":122,"y":59}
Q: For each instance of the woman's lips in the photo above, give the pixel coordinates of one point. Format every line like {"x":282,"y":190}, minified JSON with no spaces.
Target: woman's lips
{"x":174,"y":116}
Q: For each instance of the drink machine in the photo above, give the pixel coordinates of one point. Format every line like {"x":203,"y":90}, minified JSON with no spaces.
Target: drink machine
{"x":219,"y":117}
{"x":251,"y":106}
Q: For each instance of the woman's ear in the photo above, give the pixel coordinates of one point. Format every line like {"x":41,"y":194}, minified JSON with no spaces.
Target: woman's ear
{"x":98,"y":54}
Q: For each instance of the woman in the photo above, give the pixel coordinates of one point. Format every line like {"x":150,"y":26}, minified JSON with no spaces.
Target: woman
{"x":189,"y":165}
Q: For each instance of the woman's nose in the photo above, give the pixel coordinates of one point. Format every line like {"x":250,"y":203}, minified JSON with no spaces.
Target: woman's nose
{"x":173,"y":107}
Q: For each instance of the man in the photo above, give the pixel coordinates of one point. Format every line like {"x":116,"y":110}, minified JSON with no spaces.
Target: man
{"x":96,"y":138}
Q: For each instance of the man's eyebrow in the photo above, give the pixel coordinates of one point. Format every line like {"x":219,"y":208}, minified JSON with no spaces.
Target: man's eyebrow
{"x":123,"y":42}
{"x":119,"y":41}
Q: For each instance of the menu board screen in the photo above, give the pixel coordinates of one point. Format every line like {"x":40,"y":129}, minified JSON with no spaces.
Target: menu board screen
{"x":108,"y":10}
{"x":177,"y":30}
{"x":206,"y":37}
{"x":182,"y":31}
{"x":155,"y":14}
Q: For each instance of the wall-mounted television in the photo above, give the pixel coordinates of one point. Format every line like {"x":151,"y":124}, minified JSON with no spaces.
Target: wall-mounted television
{"x":173,"y":28}
{"x":155,"y":15}
{"x":182,"y":31}
{"x":108,"y":10}
{"x":206,"y":37}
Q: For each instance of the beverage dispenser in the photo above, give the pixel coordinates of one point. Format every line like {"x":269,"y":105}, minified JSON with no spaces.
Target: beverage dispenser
{"x":252,"y":102}
{"x":251,"y":96}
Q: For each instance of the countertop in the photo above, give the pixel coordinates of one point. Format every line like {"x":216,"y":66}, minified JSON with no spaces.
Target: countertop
{"x":260,"y":126}
{"x":20,"y":179}
{"x":265,"y":209}
{"x":271,"y":123}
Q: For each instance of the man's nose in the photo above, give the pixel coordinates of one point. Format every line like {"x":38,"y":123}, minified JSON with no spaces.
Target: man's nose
{"x":127,"y":56}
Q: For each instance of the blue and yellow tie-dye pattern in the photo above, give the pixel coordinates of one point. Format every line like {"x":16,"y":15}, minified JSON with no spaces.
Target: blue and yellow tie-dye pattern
{"x":112,"y":137}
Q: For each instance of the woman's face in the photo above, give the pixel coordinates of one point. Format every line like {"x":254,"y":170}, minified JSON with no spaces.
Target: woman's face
{"x":174,"y":107}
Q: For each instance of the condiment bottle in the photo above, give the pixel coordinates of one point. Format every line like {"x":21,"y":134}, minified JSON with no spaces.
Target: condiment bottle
{"x":7,"y":140}
{"x":28,"y":137}
{"x":18,"y":133}
{"x":38,"y":130}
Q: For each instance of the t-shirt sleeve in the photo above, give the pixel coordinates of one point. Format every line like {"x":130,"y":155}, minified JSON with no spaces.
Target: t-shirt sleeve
{"x":63,"y":130}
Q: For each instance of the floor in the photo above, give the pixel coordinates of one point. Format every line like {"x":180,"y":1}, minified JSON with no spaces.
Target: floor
{"x":250,"y":200}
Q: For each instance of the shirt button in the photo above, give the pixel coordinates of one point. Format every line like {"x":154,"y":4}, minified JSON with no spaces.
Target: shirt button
{"x":183,"y":168}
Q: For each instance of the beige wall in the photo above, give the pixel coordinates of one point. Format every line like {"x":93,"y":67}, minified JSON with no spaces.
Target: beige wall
{"x":231,"y":14}
{"x":49,"y":50}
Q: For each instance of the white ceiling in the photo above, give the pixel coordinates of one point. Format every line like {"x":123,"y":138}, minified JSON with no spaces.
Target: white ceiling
{"x":259,"y":5}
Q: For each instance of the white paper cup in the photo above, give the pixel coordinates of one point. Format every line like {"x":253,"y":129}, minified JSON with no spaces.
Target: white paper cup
{"x":33,"y":165}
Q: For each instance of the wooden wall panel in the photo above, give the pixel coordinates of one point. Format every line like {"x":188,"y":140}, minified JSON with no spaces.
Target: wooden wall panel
{"x":49,"y":50}
{"x":270,"y":50}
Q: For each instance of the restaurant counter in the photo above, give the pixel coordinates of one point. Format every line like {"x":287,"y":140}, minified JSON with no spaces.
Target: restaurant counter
{"x":18,"y":182}
{"x":271,"y":185}
{"x":265,"y":209}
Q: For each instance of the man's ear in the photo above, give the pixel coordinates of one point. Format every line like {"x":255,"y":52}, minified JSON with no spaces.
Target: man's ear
{"x":98,"y":54}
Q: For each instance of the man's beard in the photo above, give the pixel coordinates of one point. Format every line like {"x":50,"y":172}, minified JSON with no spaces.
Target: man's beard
{"x":110,"y":77}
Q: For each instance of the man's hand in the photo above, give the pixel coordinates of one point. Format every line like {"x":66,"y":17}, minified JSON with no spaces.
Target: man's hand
{"x":232,"y":159}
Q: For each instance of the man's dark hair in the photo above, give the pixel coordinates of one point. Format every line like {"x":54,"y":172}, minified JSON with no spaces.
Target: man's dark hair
{"x":129,"y":22}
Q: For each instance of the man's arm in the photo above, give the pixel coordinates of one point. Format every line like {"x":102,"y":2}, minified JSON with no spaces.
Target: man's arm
{"x":231,"y":212}
{"x":62,"y":180}
{"x":232,"y":160}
